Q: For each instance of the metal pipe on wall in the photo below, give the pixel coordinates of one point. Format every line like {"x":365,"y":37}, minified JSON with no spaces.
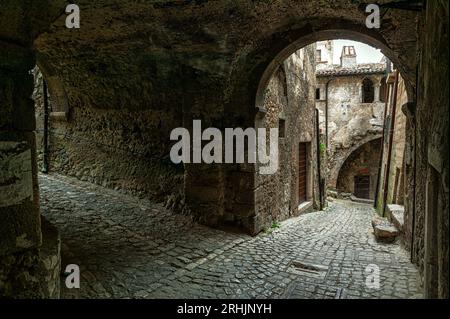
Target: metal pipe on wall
{"x":391,"y":139}
{"x":45,"y":141}
{"x":319,"y":175}
{"x":386,"y":102}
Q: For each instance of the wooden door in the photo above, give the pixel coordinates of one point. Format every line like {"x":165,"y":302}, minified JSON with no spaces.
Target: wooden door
{"x":362,"y":186}
{"x":302,"y":172}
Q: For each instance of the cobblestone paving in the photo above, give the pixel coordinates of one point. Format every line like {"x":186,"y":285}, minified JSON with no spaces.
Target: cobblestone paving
{"x":128,"y":247}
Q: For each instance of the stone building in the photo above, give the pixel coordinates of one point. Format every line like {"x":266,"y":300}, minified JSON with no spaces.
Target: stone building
{"x":392,"y":190}
{"x":395,"y":160}
{"x":350,"y":98}
{"x":289,"y":105}
{"x":135,"y":70}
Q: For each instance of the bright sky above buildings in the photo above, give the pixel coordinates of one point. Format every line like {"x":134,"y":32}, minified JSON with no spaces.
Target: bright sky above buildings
{"x":364,"y":52}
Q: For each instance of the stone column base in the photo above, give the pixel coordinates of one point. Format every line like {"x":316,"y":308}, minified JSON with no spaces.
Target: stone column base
{"x":34,"y":273}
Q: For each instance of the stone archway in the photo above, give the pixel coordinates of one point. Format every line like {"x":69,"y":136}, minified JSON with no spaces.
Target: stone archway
{"x":358,"y":173}
{"x":372,"y":129}
{"x":341,"y":156}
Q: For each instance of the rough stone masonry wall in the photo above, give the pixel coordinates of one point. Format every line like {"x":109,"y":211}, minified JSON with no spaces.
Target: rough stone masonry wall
{"x":363,"y":161}
{"x":29,"y":246}
{"x":119,"y":149}
{"x":395,"y":194}
{"x":398,"y":166}
{"x":350,"y":122}
{"x":430,"y":246}
{"x":289,"y":97}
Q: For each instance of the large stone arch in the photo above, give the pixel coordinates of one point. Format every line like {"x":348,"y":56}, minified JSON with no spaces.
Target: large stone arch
{"x":252,"y":93}
{"x":248,"y":81}
{"x":216,"y":75}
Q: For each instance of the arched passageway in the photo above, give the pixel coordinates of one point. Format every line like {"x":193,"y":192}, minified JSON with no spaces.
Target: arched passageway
{"x":358,"y":175}
{"x":193,"y":61}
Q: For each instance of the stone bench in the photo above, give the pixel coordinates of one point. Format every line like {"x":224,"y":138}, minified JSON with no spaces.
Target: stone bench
{"x":396,"y":213}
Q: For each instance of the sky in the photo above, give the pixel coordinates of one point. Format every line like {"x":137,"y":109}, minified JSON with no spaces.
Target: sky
{"x":364,"y":52}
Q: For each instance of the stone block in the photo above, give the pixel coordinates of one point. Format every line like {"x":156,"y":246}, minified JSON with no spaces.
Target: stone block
{"x":16,"y":184}
{"x":396,"y":213}
{"x":383,"y":230}
{"x":386,"y":233}
{"x":33,"y":273}
{"x":19,"y":208}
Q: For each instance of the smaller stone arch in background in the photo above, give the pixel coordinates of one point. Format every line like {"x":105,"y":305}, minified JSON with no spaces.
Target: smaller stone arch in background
{"x":58,"y":101}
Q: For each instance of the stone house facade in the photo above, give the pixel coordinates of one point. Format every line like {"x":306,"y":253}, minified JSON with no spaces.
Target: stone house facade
{"x":289,"y":106}
{"x":350,"y":99}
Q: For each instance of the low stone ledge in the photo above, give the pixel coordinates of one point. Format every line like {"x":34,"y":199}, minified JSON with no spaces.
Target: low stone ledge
{"x":396,"y":213}
{"x":360,"y":200}
{"x":383,"y":230}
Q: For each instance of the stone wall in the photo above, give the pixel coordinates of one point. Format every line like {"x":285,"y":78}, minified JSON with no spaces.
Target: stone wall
{"x":34,"y":273}
{"x":394,"y":179}
{"x":289,"y":98}
{"x":431,"y":205}
{"x":351,"y":123}
{"x":396,"y":174}
{"x":120,"y":149}
{"x":363,"y":161}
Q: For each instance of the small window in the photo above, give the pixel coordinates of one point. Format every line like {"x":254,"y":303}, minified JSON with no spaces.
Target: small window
{"x":383,"y":87}
{"x":318,"y":55}
{"x":281,"y":128}
{"x":368,"y":94}
{"x":317,"y":94}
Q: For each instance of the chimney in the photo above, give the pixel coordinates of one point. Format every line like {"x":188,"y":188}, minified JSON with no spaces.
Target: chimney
{"x":348,"y":57}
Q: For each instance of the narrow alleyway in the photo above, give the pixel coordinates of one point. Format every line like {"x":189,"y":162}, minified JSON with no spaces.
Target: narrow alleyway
{"x":131,"y":248}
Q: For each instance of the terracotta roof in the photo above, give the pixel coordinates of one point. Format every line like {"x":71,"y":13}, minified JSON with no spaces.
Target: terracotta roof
{"x":369,"y":68}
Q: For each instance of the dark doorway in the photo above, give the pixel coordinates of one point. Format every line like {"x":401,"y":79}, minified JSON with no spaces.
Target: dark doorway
{"x":368,"y":91}
{"x":362,"y":186}
{"x":302,"y":172}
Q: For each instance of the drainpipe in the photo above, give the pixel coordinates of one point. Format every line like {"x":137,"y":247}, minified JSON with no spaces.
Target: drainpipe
{"x":414,"y":158}
{"x":391,"y":138}
{"x":46,"y":114}
{"x":319,"y":177}
{"x":326,"y":112}
{"x":386,"y":102}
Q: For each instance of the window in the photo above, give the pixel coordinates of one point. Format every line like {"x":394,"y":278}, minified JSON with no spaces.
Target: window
{"x":303,"y":173}
{"x":367,"y":91}
{"x":282,"y":128}
{"x":383,"y":87}
{"x":362,"y":186}
{"x":318,"y":55}
{"x":318,"y":94}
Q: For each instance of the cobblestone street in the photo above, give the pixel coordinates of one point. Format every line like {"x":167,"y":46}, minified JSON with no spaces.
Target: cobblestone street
{"x":128,"y":247}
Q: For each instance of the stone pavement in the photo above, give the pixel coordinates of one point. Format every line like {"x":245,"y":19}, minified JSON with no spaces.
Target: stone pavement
{"x":129,"y":247}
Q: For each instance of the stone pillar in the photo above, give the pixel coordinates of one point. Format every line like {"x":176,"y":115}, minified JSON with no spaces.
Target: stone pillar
{"x":21,"y":272}
{"x":377,"y":92}
{"x":360,"y":93}
{"x":19,"y":195}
